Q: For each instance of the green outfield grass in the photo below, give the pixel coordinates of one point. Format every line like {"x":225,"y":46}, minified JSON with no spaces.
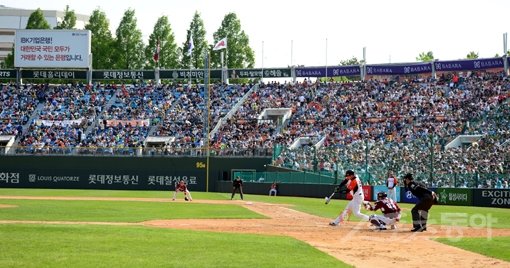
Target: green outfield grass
{"x":106,"y":193}
{"x":496,"y":247}
{"x":442,"y":215}
{"x":118,"y":211}
{"x":116,"y":246}
{"x":128,"y":246}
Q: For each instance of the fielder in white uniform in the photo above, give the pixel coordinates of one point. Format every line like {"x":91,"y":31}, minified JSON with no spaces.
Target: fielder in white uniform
{"x":353,"y":184}
{"x":391,"y":183}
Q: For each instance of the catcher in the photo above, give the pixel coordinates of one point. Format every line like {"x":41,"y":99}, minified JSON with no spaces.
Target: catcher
{"x":389,"y":208}
{"x":181,"y":187}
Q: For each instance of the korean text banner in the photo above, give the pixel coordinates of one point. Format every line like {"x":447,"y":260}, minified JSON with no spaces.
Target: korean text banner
{"x":52,"y":49}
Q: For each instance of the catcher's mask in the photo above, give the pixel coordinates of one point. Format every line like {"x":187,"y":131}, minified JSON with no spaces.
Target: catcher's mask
{"x":381,"y":195}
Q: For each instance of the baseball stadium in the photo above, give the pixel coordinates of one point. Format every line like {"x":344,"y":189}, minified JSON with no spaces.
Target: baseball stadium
{"x":356,"y":165}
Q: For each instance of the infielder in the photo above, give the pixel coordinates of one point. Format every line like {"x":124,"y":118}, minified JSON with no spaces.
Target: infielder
{"x":181,"y":187}
{"x":391,"y":183}
{"x":389,"y":208}
{"x":353,"y":184}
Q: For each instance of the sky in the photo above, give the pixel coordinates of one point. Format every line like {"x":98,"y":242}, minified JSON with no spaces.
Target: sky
{"x":321,"y":32}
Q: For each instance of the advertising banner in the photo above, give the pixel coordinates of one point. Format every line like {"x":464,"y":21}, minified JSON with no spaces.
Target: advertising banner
{"x":404,"y":69}
{"x":491,"y":198}
{"x":97,"y":179}
{"x":256,"y":73}
{"x":383,"y":188}
{"x":455,"y":196}
{"x":53,"y":74}
{"x":132,"y":122}
{"x":122,"y":75}
{"x":477,"y":64}
{"x":332,"y":71}
{"x":8,"y":74}
{"x":407,"y":197}
{"x":185,"y":74}
{"x":52,"y":49}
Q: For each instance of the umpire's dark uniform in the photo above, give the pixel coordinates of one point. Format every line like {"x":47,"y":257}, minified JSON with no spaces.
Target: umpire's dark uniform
{"x":237,"y":185}
{"x":425,"y":201}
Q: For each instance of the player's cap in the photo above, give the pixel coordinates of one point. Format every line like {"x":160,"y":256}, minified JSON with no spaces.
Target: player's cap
{"x":349,"y":172}
{"x":408,"y":176}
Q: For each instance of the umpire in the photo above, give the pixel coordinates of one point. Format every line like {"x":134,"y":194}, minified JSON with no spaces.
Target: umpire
{"x":237,"y":186}
{"x":426,"y":198}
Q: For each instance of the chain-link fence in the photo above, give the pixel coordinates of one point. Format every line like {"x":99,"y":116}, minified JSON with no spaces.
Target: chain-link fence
{"x":447,"y":154}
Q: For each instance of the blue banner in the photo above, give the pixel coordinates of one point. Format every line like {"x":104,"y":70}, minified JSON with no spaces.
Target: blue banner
{"x":417,"y":68}
{"x":477,"y":64}
{"x":311,"y":72}
{"x":383,"y":188}
{"x":344,"y":71}
{"x":408,"y":197}
{"x":332,"y":71}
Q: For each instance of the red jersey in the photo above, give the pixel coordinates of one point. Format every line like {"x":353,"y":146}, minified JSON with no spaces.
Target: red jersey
{"x":387,"y":206}
{"x":181,"y":187}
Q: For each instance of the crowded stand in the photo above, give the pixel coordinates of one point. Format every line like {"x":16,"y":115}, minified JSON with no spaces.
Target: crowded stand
{"x":62,"y":120}
{"x":184,"y":121}
{"x":389,"y":127}
{"x":373,"y":126}
{"x":16,"y":107}
{"x":126,"y":122}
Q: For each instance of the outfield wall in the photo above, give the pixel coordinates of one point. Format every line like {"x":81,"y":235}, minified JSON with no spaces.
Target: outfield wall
{"x":119,"y":173}
{"x":160,"y":173}
{"x":447,"y":196}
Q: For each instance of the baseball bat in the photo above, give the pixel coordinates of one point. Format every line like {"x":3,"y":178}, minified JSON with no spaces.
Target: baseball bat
{"x":328,"y":198}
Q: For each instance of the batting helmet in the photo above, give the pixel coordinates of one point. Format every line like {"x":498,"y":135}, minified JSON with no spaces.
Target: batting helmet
{"x":349,"y":172}
{"x":381,"y":195}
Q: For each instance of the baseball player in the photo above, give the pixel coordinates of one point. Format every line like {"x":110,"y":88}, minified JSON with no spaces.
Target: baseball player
{"x":389,"y":208}
{"x":181,"y":187}
{"x":426,"y":198}
{"x":237,"y":185}
{"x":353,"y":184}
{"x":391,"y":183}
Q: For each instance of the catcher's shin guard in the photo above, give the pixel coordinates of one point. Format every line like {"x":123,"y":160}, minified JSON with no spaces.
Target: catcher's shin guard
{"x":375,"y":222}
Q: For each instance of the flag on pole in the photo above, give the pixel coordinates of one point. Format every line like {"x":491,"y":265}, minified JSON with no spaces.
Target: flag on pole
{"x":221,"y":44}
{"x":190,"y":45}
{"x":156,"y":53}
